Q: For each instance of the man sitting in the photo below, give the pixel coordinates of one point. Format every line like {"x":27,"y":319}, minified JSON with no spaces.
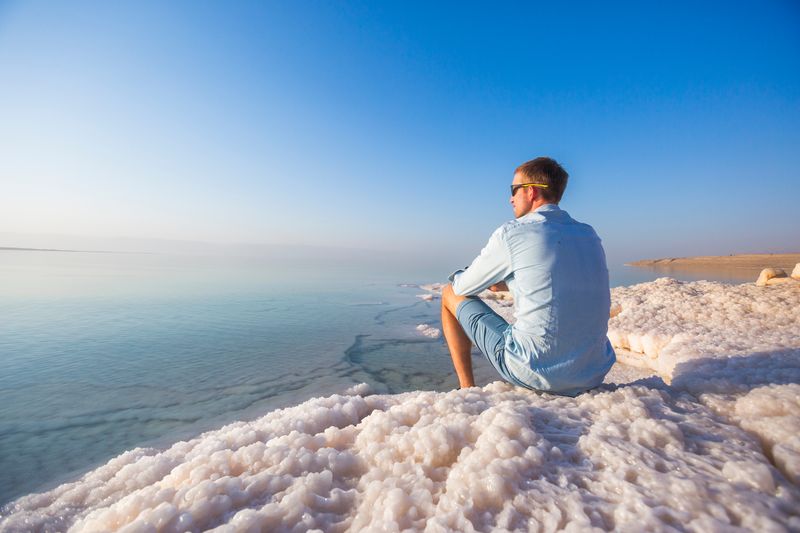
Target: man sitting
{"x":556,"y":271}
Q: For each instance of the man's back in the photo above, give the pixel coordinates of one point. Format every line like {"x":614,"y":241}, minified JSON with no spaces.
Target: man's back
{"x":556,"y":270}
{"x":561,"y":296}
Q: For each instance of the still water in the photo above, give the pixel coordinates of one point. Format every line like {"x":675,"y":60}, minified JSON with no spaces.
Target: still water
{"x":101,"y":353}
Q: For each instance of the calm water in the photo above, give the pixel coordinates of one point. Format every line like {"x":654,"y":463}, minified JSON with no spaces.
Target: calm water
{"x":101,"y":353}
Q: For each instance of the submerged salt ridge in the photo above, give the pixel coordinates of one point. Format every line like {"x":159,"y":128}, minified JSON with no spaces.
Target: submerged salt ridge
{"x":716,"y":448}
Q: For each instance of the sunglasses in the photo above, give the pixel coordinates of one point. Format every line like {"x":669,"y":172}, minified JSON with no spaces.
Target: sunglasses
{"x":515,"y":188}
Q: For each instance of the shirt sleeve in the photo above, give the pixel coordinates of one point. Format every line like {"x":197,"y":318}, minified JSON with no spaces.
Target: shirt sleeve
{"x":491,"y":266}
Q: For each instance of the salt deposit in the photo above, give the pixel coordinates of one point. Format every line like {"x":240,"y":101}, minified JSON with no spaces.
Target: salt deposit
{"x":769,"y":273}
{"x":717,"y":449}
{"x":776,"y":276}
{"x":668,"y":323}
{"x":771,"y":413}
{"x":634,"y":457}
{"x":429,"y":331}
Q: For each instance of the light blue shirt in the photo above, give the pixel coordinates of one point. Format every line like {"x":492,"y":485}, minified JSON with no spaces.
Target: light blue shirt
{"x":555,"y":268}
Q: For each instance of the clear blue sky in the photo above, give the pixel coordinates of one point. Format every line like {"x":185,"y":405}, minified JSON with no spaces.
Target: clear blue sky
{"x":398,"y":125}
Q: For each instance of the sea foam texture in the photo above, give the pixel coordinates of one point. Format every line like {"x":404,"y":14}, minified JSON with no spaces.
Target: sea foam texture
{"x":716,"y":450}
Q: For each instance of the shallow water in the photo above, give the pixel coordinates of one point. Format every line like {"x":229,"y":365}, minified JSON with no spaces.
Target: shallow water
{"x":101,"y":353}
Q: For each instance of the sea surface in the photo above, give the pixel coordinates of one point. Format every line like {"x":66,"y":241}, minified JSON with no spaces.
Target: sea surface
{"x":104,"y":352}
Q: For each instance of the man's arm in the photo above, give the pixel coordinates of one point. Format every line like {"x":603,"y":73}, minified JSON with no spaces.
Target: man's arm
{"x":492,"y":266}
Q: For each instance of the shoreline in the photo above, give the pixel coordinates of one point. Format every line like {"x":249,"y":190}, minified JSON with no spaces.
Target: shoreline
{"x":18,"y":249}
{"x":718,"y":411}
{"x":727,"y":262}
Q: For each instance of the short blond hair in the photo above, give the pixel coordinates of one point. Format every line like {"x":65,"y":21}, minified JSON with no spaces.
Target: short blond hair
{"x":548,"y":172}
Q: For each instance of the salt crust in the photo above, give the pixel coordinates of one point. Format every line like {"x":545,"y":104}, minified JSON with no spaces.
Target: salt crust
{"x":769,"y":274}
{"x":715,"y":450}
{"x":669,"y":322}
{"x":631,"y":458}
{"x":429,"y":331}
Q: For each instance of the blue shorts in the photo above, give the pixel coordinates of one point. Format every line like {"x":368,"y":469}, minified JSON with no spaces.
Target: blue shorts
{"x":487,"y":330}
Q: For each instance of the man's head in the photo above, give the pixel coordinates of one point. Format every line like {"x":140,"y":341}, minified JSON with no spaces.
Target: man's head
{"x":546,"y":181}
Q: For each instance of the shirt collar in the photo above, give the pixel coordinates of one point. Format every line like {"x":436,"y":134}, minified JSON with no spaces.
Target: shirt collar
{"x":541,"y":210}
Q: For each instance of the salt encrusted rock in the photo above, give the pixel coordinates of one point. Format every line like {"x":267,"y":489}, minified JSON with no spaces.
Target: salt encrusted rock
{"x":796,"y":271}
{"x":768,"y":274}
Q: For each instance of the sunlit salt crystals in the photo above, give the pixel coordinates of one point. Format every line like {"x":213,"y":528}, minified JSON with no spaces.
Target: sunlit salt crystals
{"x":429,"y":331}
{"x":770,"y":276}
{"x":668,"y":323}
{"x":772,"y":413}
{"x":775,"y":276}
{"x":362,"y":389}
{"x":619,"y":458}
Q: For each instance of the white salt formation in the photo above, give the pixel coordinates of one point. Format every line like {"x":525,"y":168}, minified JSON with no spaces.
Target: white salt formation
{"x":631,"y":458}
{"x":429,"y":331}
{"x":771,"y":413}
{"x":717,"y":450}
{"x":775,"y":276}
{"x":668,"y":323}
{"x":768,"y":275}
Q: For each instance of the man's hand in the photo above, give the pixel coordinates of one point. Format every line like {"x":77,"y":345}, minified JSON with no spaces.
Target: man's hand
{"x":498,"y":287}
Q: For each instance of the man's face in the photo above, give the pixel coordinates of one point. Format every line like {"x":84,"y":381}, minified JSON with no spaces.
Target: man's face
{"x":522,"y":200}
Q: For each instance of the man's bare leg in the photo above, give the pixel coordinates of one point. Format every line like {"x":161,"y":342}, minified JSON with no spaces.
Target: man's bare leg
{"x":457,"y":341}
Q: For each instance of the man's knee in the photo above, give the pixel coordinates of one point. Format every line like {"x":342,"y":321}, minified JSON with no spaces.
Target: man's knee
{"x":450,"y":299}
{"x":447,"y":291}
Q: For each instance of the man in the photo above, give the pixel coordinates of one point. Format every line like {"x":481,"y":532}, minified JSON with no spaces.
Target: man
{"x":556,"y":271}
